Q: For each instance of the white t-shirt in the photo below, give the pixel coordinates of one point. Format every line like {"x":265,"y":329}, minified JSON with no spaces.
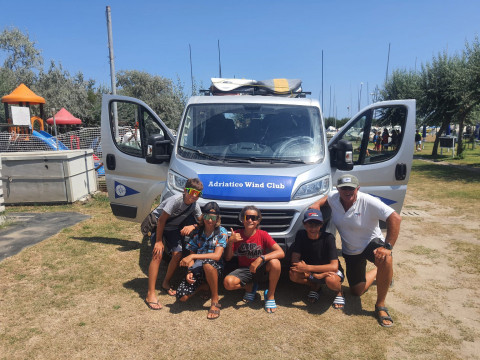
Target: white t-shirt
{"x":360,"y":224}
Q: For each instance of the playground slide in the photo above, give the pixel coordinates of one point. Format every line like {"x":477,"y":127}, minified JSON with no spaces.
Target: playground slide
{"x":49,"y":140}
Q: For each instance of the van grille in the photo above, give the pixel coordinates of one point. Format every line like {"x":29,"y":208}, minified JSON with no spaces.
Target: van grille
{"x":273,"y":221}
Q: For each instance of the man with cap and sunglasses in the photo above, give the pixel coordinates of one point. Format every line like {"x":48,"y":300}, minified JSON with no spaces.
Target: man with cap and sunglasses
{"x":356,"y":216}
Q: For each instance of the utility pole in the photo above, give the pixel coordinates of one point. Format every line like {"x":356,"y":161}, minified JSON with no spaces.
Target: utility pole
{"x":112,"y":69}
{"x":191,"y":68}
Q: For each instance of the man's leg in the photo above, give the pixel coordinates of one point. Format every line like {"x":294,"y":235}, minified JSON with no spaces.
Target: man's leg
{"x":384,"y":279}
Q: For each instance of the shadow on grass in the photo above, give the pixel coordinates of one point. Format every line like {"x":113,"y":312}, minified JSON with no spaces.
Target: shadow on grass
{"x":445,"y":172}
{"x":125,"y":245}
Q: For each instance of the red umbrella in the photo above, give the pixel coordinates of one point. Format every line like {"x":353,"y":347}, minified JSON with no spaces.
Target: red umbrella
{"x":63,"y":117}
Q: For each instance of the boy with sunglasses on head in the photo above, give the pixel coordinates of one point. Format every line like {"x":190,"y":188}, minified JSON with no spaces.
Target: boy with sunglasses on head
{"x":257,"y":253}
{"x":315,"y":260}
{"x":205,"y":263}
{"x":175,"y":221}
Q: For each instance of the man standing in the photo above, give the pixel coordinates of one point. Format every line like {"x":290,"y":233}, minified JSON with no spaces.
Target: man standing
{"x":356,"y":215}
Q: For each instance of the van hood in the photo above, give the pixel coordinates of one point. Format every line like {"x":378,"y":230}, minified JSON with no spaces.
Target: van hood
{"x":250,"y":183}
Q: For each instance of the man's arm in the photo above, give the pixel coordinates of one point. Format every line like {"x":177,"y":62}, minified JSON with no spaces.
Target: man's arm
{"x":319,"y":203}
{"x":393,"y":228}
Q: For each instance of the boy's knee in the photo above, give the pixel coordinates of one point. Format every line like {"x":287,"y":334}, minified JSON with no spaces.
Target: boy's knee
{"x":275,"y":264}
{"x":229,"y":282}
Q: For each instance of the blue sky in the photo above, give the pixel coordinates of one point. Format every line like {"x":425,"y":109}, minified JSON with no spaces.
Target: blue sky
{"x":258,"y":39}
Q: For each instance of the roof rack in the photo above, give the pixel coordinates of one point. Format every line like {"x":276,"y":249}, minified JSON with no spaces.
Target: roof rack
{"x":273,"y":87}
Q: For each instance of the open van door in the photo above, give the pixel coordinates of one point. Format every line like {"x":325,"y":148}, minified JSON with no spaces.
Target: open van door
{"x":136,"y":148}
{"x":383,"y":140}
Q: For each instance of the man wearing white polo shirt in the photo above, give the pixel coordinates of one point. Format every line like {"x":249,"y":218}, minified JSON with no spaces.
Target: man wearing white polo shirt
{"x":356,"y":216}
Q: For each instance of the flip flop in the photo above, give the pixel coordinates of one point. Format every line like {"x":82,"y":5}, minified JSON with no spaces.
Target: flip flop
{"x":339,"y":303}
{"x":150,"y":303}
{"x":169,"y":291}
{"x":313,"y":296}
{"x":381,"y":319}
{"x":250,"y":296}
{"x":269,"y":304}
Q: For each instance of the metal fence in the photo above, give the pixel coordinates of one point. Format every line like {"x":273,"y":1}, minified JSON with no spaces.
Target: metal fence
{"x":86,"y":138}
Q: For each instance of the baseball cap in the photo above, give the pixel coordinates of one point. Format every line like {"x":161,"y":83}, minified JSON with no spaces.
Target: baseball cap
{"x":348,"y":180}
{"x":312,"y":214}
{"x":211,"y":208}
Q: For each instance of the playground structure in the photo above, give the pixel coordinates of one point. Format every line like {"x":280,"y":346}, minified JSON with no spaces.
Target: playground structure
{"x":31,"y":135}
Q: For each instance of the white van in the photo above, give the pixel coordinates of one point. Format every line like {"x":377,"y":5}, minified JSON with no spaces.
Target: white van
{"x":270,"y":151}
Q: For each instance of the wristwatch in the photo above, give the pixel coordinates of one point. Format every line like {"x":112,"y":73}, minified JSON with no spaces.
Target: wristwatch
{"x":388,"y":246}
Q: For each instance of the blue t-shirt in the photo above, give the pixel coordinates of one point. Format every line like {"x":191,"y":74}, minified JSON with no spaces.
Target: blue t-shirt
{"x":201,"y":244}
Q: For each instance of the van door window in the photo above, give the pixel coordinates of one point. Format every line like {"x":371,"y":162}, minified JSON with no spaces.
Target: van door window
{"x":377,"y":134}
{"x":131,"y":125}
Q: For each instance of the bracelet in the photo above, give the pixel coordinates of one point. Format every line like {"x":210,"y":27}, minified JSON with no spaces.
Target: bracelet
{"x":310,"y":277}
{"x":263,"y":259}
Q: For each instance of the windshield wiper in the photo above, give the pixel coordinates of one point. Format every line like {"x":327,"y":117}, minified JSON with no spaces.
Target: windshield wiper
{"x":277,"y":160}
{"x":199,"y":152}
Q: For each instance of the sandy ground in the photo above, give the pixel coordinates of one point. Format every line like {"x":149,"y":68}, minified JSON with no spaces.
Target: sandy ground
{"x":436,"y":292}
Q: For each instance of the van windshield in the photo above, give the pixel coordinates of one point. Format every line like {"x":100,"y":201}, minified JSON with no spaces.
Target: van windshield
{"x":252,"y":133}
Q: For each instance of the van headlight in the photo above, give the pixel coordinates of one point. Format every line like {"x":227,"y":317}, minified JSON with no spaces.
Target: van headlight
{"x":176,"y":181}
{"x":313,"y":188}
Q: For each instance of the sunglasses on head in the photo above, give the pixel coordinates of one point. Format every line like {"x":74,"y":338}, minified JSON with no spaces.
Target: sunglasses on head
{"x":251,"y":217}
{"x":193,"y":192}
{"x":209,"y":217}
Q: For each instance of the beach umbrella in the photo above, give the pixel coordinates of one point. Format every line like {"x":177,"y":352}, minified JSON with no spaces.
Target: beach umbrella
{"x":447,"y":132}
{"x":424,"y":132}
{"x":477,"y":130}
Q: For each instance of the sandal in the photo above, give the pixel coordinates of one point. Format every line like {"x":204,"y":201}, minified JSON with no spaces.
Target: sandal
{"x":339,"y":302}
{"x":250,"y":296}
{"x":381,"y":319}
{"x":269,"y":304}
{"x":214,"y":311}
{"x":150,"y":303}
{"x":313,"y":296}
{"x":170,"y":291}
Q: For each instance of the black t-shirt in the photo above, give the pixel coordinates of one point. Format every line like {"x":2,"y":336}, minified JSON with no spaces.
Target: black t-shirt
{"x":316,"y":252}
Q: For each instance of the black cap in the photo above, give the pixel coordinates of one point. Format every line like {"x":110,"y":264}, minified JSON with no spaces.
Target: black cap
{"x":211,"y":208}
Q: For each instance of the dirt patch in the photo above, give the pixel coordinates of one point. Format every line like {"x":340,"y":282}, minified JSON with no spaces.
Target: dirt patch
{"x":434,"y":292}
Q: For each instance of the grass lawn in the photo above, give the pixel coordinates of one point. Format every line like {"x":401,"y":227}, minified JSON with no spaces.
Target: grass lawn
{"x":79,"y":294}
{"x":470,"y":157}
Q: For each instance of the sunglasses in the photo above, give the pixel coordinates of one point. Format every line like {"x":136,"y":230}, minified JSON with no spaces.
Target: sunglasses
{"x":346,"y":188}
{"x":314,"y":223}
{"x":251,"y":217}
{"x":209,"y":217}
{"x":193,"y":192}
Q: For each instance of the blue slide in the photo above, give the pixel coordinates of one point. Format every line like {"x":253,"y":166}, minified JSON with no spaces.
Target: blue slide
{"x":49,"y":140}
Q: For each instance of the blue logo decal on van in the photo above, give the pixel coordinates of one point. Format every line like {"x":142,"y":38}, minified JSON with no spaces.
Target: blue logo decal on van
{"x":123,"y":190}
{"x":385,"y":200}
{"x":247,"y":187}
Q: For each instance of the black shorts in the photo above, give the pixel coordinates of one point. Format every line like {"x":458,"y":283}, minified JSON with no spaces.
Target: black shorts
{"x":245,"y":276}
{"x":356,"y":264}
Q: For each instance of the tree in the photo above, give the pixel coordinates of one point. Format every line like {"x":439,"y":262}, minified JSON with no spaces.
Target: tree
{"x":22,"y":62}
{"x":74,"y":93}
{"x":161,"y":94}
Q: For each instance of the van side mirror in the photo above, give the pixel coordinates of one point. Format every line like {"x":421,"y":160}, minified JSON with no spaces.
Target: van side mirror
{"x":158,"y":149}
{"x":341,"y":155}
